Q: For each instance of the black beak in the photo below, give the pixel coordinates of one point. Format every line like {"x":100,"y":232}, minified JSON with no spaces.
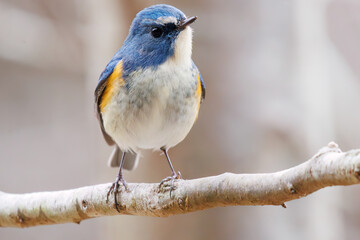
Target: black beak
{"x":184,"y":23}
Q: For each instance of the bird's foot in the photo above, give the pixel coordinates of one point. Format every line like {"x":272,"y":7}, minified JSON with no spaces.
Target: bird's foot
{"x":171,"y":179}
{"x":115,"y":189}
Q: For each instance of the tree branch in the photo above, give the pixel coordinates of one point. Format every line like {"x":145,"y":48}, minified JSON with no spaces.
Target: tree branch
{"x":329,"y":167}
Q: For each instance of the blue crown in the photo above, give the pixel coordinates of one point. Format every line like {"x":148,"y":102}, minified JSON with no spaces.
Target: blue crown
{"x":160,"y":10}
{"x":140,"y":50}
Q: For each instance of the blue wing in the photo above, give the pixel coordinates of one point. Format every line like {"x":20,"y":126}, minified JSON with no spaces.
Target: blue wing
{"x":99,"y":92}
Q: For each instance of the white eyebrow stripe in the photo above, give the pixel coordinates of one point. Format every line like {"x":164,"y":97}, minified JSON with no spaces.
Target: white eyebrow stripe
{"x":164,"y":20}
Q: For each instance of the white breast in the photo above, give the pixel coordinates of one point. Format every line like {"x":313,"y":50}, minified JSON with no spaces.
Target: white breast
{"x":161,"y":106}
{"x":159,"y":110}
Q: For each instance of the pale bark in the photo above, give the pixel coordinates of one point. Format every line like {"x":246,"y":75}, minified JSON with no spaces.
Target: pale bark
{"x":329,"y":167}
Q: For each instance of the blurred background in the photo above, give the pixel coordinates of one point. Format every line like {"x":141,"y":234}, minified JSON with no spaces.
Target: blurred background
{"x":282,"y":80}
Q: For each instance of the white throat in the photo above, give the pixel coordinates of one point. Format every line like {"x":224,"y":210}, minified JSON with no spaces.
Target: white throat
{"x":183,"y":47}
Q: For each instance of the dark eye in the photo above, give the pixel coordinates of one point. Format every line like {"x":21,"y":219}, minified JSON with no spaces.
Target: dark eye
{"x":156,"y":32}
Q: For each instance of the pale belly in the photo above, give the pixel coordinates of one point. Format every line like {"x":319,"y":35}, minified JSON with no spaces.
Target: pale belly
{"x":153,"y":116}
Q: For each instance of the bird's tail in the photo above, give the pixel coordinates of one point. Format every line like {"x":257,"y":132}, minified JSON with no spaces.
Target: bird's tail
{"x":130,"y":162}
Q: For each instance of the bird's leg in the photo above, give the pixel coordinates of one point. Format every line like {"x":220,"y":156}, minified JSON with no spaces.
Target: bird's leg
{"x":115,"y":186}
{"x":175,"y":175}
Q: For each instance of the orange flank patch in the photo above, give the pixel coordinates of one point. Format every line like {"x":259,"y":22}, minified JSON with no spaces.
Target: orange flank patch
{"x":113,"y":85}
{"x":198,"y":94}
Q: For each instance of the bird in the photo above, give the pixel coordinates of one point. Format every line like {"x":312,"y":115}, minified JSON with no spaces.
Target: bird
{"x":149,"y":95}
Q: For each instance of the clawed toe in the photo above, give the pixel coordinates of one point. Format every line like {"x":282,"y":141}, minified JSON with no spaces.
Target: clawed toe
{"x":115,"y":189}
{"x":172,"y":179}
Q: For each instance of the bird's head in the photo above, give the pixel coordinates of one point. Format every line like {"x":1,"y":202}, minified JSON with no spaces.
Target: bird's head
{"x":157,"y":34}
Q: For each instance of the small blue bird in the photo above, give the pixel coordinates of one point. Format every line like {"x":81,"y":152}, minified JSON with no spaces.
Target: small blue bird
{"x":149,"y":95}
